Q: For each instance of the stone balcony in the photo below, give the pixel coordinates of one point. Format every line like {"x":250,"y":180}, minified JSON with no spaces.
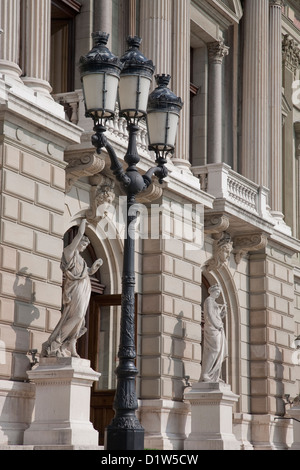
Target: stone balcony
{"x":242,"y":201}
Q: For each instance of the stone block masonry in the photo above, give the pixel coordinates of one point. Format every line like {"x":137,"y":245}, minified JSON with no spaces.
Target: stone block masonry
{"x":171,"y":313}
{"x":32,"y":208}
{"x":272,"y":327}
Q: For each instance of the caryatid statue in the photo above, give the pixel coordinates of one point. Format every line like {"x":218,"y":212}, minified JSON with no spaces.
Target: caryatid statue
{"x":76,"y":297}
{"x":215,"y":344}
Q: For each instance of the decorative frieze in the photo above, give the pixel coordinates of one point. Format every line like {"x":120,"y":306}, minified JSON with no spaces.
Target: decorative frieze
{"x":242,"y":244}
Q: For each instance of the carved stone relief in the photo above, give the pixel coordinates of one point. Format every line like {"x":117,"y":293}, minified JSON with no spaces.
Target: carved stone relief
{"x":102,"y":195}
{"x":222,"y":248}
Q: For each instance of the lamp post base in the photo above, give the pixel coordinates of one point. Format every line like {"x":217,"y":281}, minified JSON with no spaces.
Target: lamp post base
{"x":124,"y":439}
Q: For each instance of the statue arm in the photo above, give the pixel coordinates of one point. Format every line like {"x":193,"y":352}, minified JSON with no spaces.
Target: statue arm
{"x":213,"y":318}
{"x":95,"y":267}
{"x":70,"y":249}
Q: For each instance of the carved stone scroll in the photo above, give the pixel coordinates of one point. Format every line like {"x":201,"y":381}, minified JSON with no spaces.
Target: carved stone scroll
{"x":250,"y":242}
{"x":216,"y":223}
{"x":87,"y":164}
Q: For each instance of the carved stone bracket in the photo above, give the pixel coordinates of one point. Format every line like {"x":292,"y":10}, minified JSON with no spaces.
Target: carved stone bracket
{"x":222,"y":249}
{"x":102,"y":196}
{"x":249,"y":242}
{"x":215,"y":223}
{"x":87,"y":164}
{"x":150,"y":194}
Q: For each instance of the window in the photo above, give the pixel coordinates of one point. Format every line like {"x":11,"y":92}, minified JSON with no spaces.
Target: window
{"x":63,"y":13}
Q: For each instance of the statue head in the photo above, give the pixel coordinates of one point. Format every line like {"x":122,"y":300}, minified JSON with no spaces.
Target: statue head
{"x":214,"y":291}
{"x":84,"y":242}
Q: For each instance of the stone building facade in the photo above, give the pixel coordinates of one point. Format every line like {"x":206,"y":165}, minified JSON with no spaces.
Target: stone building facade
{"x":228,"y":213}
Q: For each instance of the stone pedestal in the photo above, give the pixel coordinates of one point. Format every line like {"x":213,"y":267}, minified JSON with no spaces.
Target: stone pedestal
{"x":294,"y":412}
{"x":62,"y":404}
{"x":211,"y":417}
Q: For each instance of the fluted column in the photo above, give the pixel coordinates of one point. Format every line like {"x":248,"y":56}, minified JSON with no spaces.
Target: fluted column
{"x":10,"y":38}
{"x":37,"y":45}
{"x":156,"y":32}
{"x":255,"y":113}
{"x":275,"y":78}
{"x":181,"y":77}
{"x":216,"y":53}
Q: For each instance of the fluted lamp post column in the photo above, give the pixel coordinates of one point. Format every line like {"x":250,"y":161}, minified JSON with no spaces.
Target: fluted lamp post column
{"x":103,"y":75}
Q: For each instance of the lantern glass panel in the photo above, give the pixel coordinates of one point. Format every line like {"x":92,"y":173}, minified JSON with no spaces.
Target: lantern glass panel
{"x":100,"y":92}
{"x":162,"y":129}
{"x":133,"y":95}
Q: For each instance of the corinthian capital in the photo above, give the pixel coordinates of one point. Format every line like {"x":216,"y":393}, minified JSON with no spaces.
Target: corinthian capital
{"x":217,"y":51}
{"x":276,"y":3}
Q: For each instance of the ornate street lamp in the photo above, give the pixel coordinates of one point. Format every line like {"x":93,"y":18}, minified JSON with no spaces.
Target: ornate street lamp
{"x":102,"y":74}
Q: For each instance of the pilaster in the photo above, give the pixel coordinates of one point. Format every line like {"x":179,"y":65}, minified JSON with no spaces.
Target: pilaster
{"x":255,"y":113}
{"x":156,"y":27}
{"x":181,"y":76}
{"x":216,"y":53}
{"x":10,"y":38}
{"x":291,"y":61}
{"x":103,"y":17}
{"x":275,"y":78}
{"x":37,"y":45}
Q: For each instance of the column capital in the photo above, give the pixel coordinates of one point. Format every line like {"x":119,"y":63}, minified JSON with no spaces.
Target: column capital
{"x":217,"y":51}
{"x":277,"y":3}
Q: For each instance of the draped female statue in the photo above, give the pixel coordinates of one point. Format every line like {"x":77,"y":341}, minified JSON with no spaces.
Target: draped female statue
{"x":76,"y":297}
{"x":215,"y":345}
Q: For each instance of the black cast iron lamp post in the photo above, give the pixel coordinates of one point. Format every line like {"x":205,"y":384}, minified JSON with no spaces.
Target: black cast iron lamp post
{"x":102,"y":74}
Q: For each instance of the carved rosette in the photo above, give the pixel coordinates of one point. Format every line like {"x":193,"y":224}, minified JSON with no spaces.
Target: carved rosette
{"x":87,"y":164}
{"x":244,"y":244}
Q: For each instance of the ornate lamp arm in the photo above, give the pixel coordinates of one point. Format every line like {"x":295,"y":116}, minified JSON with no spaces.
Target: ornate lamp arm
{"x":99,"y":140}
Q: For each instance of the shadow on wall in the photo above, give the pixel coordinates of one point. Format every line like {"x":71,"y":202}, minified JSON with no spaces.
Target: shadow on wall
{"x":25,"y":313}
{"x":17,"y":395}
